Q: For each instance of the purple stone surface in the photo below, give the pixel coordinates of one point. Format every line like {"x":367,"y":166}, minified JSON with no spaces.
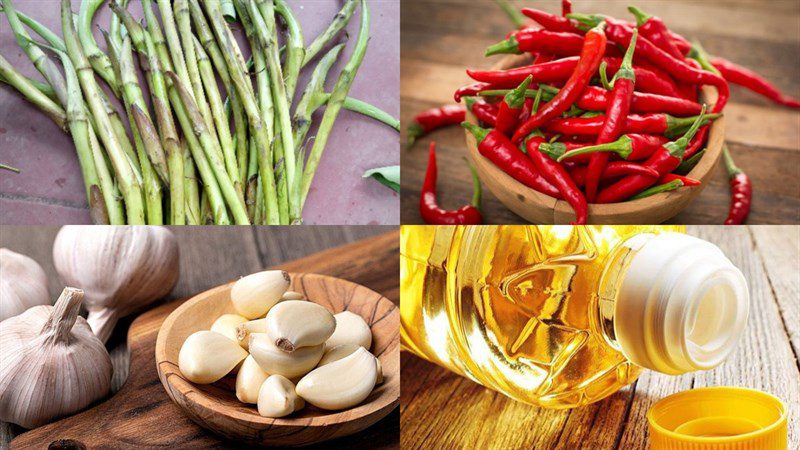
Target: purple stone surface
{"x":50,"y":188}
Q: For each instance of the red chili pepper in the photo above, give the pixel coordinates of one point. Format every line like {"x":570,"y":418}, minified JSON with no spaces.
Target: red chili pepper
{"x":741,"y":191}
{"x":538,"y":40}
{"x":526,"y":110}
{"x":511,"y":108}
{"x":566,"y":7}
{"x":620,"y":33}
{"x":644,"y":124}
{"x":556,"y":174}
{"x":498,"y":149}
{"x":742,"y":76}
{"x":672,"y":177}
{"x":697,"y":143}
{"x":433,"y":119}
{"x":665,"y":160}
{"x":614,"y":169}
{"x":595,"y":98}
{"x":542,"y":58}
{"x":485,"y":112}
{"x":630,"y":147}
{"x":556,"y":149}
{"x":654,"y":29}
{"x":551,"y":22}
{"x":470,"y":90}
{"x":617,"y":111}
{"x":429,"y":208}
{"x":591,"y":55}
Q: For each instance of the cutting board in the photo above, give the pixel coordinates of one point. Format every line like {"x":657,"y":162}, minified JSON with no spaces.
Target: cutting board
{"x":142,"y":415}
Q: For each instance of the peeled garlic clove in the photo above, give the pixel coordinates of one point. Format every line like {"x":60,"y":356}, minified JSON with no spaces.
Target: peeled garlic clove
{"x":277,"y":397}
{"x":244,"y":330}
{"x":226,"y":325}
{"x":293,"y":324}
{"x":336,"y":353}
{"x":340,"y":384}
{"x":276,"y":361}
{"x":252,"y":296}
{"x":350,"y":329}
{"x":22,"y":286}
{"x":249,"y":381}
{"x":292,"y":295}
{"x":207,"y":356}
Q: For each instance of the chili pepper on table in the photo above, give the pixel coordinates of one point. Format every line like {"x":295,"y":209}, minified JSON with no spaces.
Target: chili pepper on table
{"x":744,"y":77}
{"x":433,"y":119}
{"x":654,"y":29}
{"x":663,"y":124}
{"x":591,"y":54}
{"x":470,"y":90}
{"x":630,"y":147}
{"x":485,"y":112}
{"x":741,"y":191}
{"x":672,"y":177}
{"x":666,"y":187}
{"x":557,"y":175}
{"x":511,"y":108}
{"x":498,"y":149}
{"x":665,"y":160}
{"x":551,"y":22}
{"x":614,"y":169}
{"x":434,"y":215}
{"x":617,"y":111}
{"x":619,"y":33}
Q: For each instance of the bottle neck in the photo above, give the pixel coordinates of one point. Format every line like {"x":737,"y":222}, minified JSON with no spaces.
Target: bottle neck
{"x":679,"y":304}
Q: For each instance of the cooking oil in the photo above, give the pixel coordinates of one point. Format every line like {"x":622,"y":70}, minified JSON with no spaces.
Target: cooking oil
{"x":562,"y":316}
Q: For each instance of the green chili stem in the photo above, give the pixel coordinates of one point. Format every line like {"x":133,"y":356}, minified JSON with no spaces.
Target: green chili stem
{"x":671,"y":186}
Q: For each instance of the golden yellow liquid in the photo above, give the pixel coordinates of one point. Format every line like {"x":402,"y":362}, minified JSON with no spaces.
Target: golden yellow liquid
{"x":524,"y":310}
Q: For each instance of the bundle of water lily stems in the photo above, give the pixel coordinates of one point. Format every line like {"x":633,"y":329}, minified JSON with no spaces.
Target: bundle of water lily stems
{"x":255,"y":171}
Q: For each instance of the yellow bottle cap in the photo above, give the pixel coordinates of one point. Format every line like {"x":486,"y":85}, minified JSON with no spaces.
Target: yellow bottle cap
{"x":718,"y":418}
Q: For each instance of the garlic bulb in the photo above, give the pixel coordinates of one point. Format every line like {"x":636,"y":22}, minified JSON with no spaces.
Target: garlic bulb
{"x":340,"y":384}
{"x":350,"y":329}
{"x":252,"y":296}
{"x":23,"y":284}
{"x":207,"y":356}
{"x":277,"y":397}
{"x":249,"y":380}
{"x":51,"y":364}
{"x":121,"y":269}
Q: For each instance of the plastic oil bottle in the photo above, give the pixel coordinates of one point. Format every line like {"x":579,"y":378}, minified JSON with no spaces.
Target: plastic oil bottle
{"x":562,"y":316}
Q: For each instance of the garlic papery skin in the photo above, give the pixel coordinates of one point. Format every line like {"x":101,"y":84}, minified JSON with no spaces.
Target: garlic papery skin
{"x":121,"y":269}
{"x":336,"y":353}
{"x":207,"y":356}
{"x":294,"y":323}
{"x":23,"y":284}
{"x":51,"y":364}
{"x":226,"y":325}
{"x":292,"y":295}
{"x":252,"y":296}
{"x":276,"y":361}
{"x":340,"y":384}
{"x":249,"y":380}
{"x":350,"y":329}
{"x":244,"y":330}
{"x":277,"y":397}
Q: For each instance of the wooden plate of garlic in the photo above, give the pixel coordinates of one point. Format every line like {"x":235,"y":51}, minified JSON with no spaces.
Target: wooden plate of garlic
{"x":283,"y":359}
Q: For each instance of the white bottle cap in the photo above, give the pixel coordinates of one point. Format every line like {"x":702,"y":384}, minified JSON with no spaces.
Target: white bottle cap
{"x":682,"y":305}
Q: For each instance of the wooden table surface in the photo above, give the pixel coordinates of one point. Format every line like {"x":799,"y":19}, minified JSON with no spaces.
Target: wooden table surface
{"x":210,"y":256}
{"x":440,"y":38}
{"x":439,"y":409}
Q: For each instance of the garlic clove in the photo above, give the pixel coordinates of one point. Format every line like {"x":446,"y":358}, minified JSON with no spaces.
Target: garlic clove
{"x":336,"y":353}
{"x":253,"y":326}
{"x":207,"y":356}
{"x":292,"y":295}
{"x":350,"y":329}
{"x":293,"y":324}
{"x":23,"y":284}
{"x":276,"y":361}
{"x":252,"y":296}
{"x":226,"y":325}
{"x":249,"y":381}
{"x":340,"y":384}
{"x":277,"y":397}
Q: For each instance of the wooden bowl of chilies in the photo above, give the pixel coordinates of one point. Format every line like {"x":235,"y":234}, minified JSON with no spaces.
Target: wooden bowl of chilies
{"x":540,"y":208}
{"x":215,"y":407}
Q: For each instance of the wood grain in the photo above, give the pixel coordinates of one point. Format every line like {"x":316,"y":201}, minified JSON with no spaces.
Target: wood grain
{"x":442,"y":410}
{"x":441,"y":38}
{"x":211,"y":256}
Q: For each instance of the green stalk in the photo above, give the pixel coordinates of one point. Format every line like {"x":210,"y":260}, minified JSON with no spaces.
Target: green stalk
{"x":157,"y":35}
{"x":53,"y":39}
{"x":223,"y":127}
{"x":43,"y":64}
{"x":33,"y":95}
{"x":174,"y":43}
{"x":360,"y":107}
{"x":9,"y":168}
{"x":316,"y":86}
{"x":235,"y":63}
{"x":126,"y":178}
{"x":98,"y":60}
{"x":212,"y":152}
{"x":191,"y":191}
{"x":340,"y":21}
{"x":115,"y":29}
{"x":335,"y":103}
{"x":251,"y":194}
{"x":295,"y":47}
{"x":265,"y":28}
{"x":40,"y":86}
